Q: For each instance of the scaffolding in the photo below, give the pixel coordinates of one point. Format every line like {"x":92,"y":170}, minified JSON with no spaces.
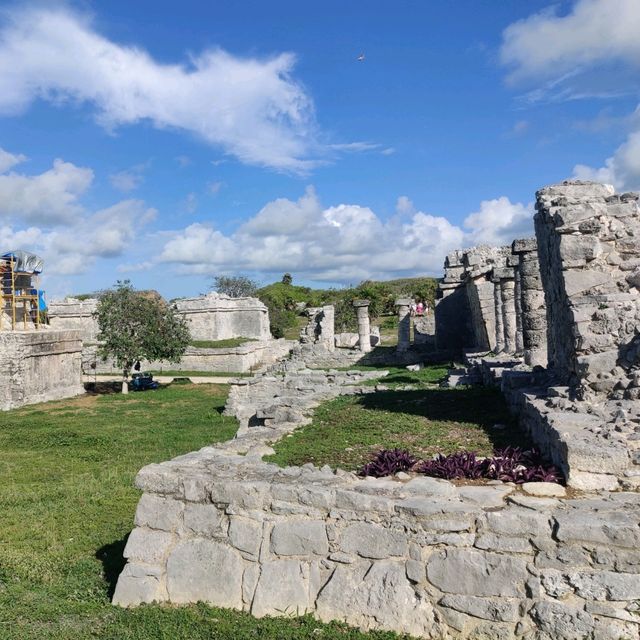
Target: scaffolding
{"x":21,"y":294}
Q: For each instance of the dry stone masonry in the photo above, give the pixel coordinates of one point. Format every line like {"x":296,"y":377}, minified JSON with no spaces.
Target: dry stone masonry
{"x":416,"y":555}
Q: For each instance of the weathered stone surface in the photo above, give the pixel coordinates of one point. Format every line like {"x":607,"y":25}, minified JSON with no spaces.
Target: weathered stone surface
{"x":502,"y":610}
{"x":299,"y":538}
{"x":138,"y":584}
{"x":372,"y":541}
{"x":282,"y":589}
{"x":201,"y":570}
{"x":158,"y":512}
{"x":544,"y":489}
{"x":485,"y":574}
{"x":204,"y":519}
{"x":147,"y":545}
{"x":245,"y":534}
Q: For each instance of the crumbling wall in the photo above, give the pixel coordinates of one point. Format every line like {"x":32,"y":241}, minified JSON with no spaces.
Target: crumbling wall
{"x":589,"y":248}
{"x":219,"y":317}
{"x":38,"y":366}
{"x":452,"y":313}
{"x":320,"y":330}
{"x":75,"y":315}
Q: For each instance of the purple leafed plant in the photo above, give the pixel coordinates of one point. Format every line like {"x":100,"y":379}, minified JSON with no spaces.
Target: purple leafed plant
{"x":463,"y":464}
{"x":511,"y":464}
{"x":387,"y":462}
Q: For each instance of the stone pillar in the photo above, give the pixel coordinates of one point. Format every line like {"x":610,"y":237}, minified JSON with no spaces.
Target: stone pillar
{"x":364,"y":326}
{"x":497,"y":300}
{"x":404,"y":323}
{"x":320,"y":329}
{"x":505,"y":280}
{"x":518,"y":301}
{"x":534,"y":318}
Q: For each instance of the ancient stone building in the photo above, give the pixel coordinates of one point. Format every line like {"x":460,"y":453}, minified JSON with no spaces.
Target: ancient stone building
{"x":589,"y":248}
{"x":74,"y":314}
{"x":218,"y":317}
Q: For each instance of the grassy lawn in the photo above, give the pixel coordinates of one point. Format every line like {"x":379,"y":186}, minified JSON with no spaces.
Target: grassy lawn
{"x":220,"y":344}
{"x":346,"y":431}
{"x":207,"y":374}
{"x":67,"y":504}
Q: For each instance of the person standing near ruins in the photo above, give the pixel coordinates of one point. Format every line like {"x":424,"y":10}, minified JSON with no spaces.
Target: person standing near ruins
{"x":419,"y":308}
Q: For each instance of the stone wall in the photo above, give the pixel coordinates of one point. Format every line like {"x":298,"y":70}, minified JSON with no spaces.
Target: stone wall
{"x":320,"y":330}
{"x":219,"y":317}
{"x":211,"y":317}
{"x":38,"y":366}
{"x":589,"y":248}
{"x":75,"y":315}
{"x":242,"y":359}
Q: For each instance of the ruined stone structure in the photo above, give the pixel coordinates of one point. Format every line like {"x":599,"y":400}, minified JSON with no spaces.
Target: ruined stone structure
{"x":74,"y":314}
{"x":320,"y":330}
{"x":37,"y":366}
{"x":531,"y":313}
{"x":364,"y":326}
{"x":589,"y":247}
{"x":218,"y":317}
{"x":483,"y":300}
{"x":404,"y":323}
{"x":415,"y":555}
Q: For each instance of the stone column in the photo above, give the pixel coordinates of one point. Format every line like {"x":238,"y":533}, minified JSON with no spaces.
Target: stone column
{"x":404,"y":323}
{"x":534,"y":318}
{"x":518,"y":301}
{"x":505,"y":279}
{"x":364,"y":326}
{"x":327,"y":327}
{"x":497,"y":300}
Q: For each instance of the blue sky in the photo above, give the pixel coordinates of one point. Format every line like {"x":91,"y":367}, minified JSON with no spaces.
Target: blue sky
{"x":170,"y":144}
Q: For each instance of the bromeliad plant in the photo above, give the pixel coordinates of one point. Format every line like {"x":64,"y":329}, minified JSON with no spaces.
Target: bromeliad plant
{"x":511,"y":464}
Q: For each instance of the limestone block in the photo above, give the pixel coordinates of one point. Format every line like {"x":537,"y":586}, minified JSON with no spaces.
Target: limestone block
{"x":372,"y":596}
{"x":157,"y":512}
{"x":147,"y":545}
{"x":245,"y":534}
{"x":298,"y":538}
{"x":372,"y":541}
{"x":485,"y":574}
{"x":502,"y":610}
{"x":138,"y":584}
{"x":578,"y":281}
{"x":606,"y":585}
{"x":204,"y":520}
{"x":579,"y":249}
{"x":200,"y":570}
{"x":282,"y":589}
{"x":606,"y":528}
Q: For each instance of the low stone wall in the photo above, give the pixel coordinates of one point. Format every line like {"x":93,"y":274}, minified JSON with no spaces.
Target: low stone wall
{"x":409,"y":554}
{"x":242,"y":359}
{"x":38,"y":366}
{"x":422,"y":556}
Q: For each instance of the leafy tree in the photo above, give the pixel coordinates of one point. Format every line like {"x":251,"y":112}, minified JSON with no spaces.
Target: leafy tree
{"x":287,"y":279}
{"x":235,"y":286}
{"x":138,"y":325}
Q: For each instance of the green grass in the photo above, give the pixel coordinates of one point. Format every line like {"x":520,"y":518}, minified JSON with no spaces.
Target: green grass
{"x":220,"y":344}
{"x":67,"y":503}
{"x":192,"y":374}
{"x":348,"y":430}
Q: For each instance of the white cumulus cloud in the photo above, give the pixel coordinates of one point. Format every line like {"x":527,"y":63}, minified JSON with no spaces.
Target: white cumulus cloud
{"x":51,"y":197}
{"x":341,"y":243}
{"x":250,"y":107}
{"x":592,"y":50}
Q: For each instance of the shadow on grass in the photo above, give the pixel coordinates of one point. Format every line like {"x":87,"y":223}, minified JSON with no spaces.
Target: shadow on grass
{"x":112,"y":562}
{"x":103,"y":388}
{"x":476,"y":405}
